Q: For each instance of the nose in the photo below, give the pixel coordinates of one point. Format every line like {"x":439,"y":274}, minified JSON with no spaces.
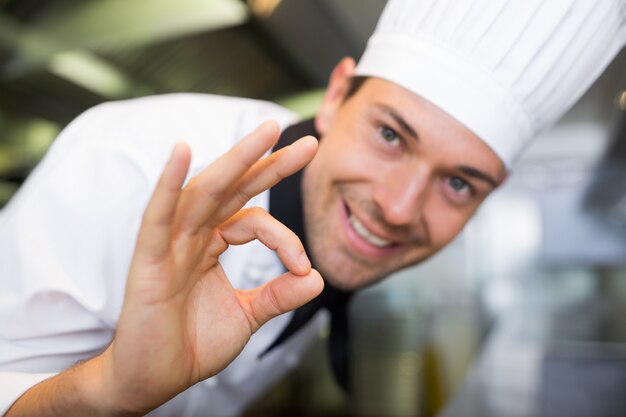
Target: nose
{"x":400,"y":194}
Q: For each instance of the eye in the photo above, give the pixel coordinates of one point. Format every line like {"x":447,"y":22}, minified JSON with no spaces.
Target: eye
{"x":388,"y":134}
{"x":458,"y":190}
{"x":458,"y":184}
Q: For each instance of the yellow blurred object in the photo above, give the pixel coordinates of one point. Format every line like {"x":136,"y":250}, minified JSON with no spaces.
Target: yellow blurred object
{"x":621,"y":100}
{"x":434,"y":392}
{"x":263,"y":8}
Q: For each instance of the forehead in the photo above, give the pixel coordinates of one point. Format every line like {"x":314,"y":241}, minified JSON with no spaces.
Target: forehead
{"x":413,"y":106}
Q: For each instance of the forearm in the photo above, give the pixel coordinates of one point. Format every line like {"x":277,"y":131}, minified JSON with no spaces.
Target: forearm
{"x":78,"y":391}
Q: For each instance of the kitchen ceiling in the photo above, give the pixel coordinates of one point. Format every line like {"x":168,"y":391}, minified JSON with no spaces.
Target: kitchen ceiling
{"x":60,"y":57}
{"x":49,"y":50}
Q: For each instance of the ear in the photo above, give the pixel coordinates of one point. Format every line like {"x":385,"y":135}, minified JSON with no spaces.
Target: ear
{"x":335,"y":93}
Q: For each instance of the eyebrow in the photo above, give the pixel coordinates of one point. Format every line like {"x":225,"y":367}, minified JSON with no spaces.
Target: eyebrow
{"x":399,"y":119}
{"x":475,"y":173}
{"x":467,"y":170}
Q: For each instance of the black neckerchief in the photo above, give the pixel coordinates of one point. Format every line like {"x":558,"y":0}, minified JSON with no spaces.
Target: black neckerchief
{"x":286,"y":206}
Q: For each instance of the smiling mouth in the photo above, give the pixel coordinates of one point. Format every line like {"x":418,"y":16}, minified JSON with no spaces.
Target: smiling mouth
{"x":366,"y":235}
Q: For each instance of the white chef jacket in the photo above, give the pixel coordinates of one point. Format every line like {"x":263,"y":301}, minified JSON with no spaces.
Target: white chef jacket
{"x":68,"y":235}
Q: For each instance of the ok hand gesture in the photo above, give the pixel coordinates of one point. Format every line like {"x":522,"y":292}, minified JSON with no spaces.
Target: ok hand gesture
{"x":182,"y":321}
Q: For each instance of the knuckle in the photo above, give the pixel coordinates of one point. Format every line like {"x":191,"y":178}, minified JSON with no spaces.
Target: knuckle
{"x":243,"y":196}
{"x":272,"y":298}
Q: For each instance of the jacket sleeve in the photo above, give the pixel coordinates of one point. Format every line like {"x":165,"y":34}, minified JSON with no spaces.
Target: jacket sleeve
{"x":14,"y":384}
{"x":65,"y":245}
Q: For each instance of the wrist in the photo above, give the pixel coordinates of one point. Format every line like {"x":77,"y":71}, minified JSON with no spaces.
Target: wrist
{"x":88,"y":381}
{"x":97,"y":388}
{"x":79,"y":391}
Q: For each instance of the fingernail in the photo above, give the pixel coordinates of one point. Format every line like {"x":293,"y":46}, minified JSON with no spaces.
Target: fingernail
{"x":310,"y":139}
{"x":269,"y":126}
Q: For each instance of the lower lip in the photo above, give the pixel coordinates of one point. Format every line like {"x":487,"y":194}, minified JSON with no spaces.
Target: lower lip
{"x":358,"y":243}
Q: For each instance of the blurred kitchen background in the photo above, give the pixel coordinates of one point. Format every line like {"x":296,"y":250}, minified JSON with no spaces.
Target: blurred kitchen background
{"x":523,"y":315}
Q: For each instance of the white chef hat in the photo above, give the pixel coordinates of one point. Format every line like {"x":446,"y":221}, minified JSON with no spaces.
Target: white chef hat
{"x":506,"y":69}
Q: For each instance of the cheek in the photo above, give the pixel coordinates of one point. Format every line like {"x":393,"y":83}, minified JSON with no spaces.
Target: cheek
{"x":444,"y":222}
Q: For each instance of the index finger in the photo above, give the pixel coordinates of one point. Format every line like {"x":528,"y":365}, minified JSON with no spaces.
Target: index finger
{"x":155,"y":232}
{"x":205,"y":192}
{"x":266,"y":173}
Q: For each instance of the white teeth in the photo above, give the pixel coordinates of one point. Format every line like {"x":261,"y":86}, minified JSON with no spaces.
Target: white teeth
{"x":367,"y":235}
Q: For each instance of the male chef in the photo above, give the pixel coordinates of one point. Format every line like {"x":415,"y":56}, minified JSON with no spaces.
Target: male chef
{"x":411,"y":141}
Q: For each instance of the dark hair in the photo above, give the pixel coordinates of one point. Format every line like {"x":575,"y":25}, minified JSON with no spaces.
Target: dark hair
{"x":355,"y":84}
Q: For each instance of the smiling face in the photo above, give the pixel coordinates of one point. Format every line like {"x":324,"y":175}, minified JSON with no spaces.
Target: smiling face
{"x":394,"y":180}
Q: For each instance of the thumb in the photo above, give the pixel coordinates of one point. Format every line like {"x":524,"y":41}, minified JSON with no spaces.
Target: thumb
{"x":282,"y":294}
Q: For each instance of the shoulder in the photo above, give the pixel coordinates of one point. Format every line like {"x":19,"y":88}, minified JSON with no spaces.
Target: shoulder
{"x":145,"y":129}
{"x":198,"y":109}
{"x":182,"y":116}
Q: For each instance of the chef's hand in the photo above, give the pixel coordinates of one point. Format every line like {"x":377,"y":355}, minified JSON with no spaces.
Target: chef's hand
{"x":182,"y":321}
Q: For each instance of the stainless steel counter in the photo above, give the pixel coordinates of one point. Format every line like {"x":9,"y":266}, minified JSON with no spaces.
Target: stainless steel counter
{"x":550,"y":364}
